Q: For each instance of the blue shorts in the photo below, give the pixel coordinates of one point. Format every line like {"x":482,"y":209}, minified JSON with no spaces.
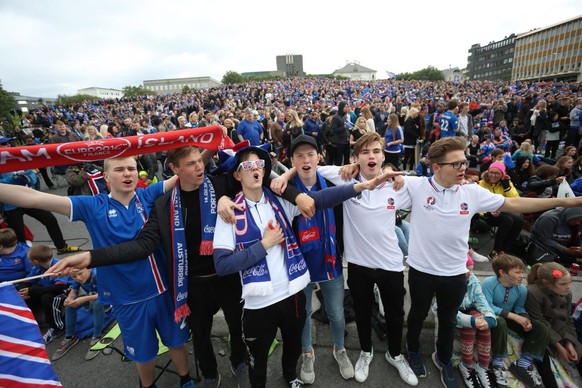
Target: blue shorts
{"x":139,"y":323}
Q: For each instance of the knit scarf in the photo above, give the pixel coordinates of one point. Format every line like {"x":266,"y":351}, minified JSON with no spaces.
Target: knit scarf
{"x":257,"y":279}
{"x":317,"y":235}
{"x":179,"y":246}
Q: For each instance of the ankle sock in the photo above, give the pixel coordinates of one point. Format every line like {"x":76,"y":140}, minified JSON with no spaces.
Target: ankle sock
{"x":497,"y":362}
{"x":524,"y":362}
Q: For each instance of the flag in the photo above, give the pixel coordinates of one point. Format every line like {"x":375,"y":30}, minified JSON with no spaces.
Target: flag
{"x":24,"y":361}
{"x":391,"y":74}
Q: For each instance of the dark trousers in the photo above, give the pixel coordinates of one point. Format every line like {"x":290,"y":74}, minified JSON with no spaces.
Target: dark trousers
{"x":50,"y":299}
{"x":15,"y":219}
{"x":535,"y":341}
{"x":361,"y":281}
{"x":551,"y":148}
{"x":45,"y":177}
{"x":509,"y":227}
{"x":449,"y":291}
{"x":206,"y":295}
{"x":260,"y":327}
{"x":408,"y":162}
{"x":392,"y":158}
{"x":341,"y":154}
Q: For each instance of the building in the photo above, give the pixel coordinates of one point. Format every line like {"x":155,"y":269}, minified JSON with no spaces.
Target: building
{"x":453,"y":75}
{"x":493,"y":61}
{"x":102,"y":93}
{"x":355,"y":71}
{"x":27,"y":104}
{"x":176,"y":85}
{"x":550,"y":53}
{"x":290,"y":65}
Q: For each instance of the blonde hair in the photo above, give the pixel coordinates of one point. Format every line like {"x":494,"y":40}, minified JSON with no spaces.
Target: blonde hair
{"x":297,"y":122}
{"x":411,"y":113}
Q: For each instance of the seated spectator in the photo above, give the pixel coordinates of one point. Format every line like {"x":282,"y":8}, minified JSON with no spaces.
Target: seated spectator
{"x":46,"y":293}
{"x":91,"y":133}
{"x":423,"y":168}
{"x":544,"y":183}
{"x":508,"y":224}
{"x":13,"y":262}
{"x":549,"y":300}
{"x":500,"y":140}
{"x":565,"y":165}
{"x":486,"y":147}
{"x":521,"y":174}
{"x":507,"y":296}
{"x":526,"y":149}
{"x":558,"y":230}
{"x":495,"y":156}
{"x":517,"y":131}
{"x":87,"y":280}
{"x":576,"y":168}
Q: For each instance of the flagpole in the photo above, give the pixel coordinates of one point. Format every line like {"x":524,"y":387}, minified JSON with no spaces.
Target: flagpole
{"x":30,"y":278}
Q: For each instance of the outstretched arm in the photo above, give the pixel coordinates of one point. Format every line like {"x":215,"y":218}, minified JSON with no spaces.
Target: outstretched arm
{"x":26,"y":197}
{"x":531,"y":205}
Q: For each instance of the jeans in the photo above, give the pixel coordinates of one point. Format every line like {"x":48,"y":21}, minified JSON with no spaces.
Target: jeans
{"x":449,"y":291}
{"x":98,"y":316}
{"x":361,"y":281}
{"x":333,"y":297}
{"x":403,"y":233}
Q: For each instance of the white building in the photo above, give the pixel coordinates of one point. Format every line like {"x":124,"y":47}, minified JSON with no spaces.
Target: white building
{"x":356,"y":71}
{"x":453,"y":74}
{"x":176,"y":85}
{"x":104,"y":93}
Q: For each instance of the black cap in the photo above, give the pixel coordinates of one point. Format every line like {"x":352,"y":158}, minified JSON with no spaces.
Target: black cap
{"x":303,"y":139}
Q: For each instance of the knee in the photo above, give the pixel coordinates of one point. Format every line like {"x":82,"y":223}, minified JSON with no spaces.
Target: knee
{"x":501,"y":325}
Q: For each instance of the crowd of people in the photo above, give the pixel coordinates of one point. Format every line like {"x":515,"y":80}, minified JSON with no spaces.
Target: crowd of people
{"x":234,"y":243}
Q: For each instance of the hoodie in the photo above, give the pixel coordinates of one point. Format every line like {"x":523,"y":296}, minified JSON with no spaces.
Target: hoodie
{"x":339,"y":132}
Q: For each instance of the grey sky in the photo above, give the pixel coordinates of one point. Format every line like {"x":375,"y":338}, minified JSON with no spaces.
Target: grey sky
{"x":56,"y":47}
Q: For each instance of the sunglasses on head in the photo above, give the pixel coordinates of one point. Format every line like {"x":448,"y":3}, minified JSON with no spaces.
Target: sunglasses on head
{"x":250,"y":164}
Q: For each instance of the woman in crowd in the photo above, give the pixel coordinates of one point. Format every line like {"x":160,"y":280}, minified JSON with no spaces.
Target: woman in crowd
{"x":508,"y":224}
{"x":411,"y":135}
{"x":473,"y":151}
{"x":367,"y":114}
{"x":91,"y":133}
{"x":293,"y":128}
{"x":564,"y":165}
{"x":359,"y":129}
{"x":394,"y":138}
{"x":544,"y":183}
{"x":522,"y":173}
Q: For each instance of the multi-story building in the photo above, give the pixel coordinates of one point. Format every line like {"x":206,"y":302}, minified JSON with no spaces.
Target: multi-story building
{"x":550,"y":53}
{"x":177,"y":85}
{"x":103,"y":93}
{"x":290,"y":65}
{"x":493,"y":61}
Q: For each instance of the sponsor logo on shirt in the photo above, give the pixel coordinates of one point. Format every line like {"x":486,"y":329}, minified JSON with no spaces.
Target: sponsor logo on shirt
{"x":464,"y":208}
{"x":311,"y":234}
{"x":390,"y":204}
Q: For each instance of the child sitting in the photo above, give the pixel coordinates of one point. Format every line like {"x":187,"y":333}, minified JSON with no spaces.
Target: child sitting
{"x":549,"y":300}
{"x":506,"y":296}
{"x":474,"y":320}
{"x":87,"y":280}
{"x":13,"y":262}
{"x":48,"y":293}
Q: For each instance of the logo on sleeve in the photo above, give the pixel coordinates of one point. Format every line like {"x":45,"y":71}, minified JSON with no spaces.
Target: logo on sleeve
{"x":464,"y":208}
{"x":390,"y":204}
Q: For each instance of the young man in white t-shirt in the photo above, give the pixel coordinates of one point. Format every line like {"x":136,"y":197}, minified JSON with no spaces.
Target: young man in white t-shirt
{"x":439,"y":230}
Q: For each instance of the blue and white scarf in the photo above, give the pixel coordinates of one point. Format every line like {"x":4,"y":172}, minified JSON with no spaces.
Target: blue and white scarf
{"x":179,"y":246}
{"x":317,"y":237}
{"x":257,"y":279}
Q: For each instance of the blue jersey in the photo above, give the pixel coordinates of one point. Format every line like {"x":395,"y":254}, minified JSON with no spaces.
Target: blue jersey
{"x":251,"y":131}
{"x":15,"y":265}
{"x":109,"y":222}
{"x":49,"y":280}
{"x":449,"y":124}
{"x":90,"y":286}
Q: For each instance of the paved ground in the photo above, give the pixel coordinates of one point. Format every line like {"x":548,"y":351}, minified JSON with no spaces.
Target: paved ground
{"x":110,"y":371}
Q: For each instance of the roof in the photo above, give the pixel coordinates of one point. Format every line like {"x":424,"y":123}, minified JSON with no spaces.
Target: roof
{"x":354,"y":68}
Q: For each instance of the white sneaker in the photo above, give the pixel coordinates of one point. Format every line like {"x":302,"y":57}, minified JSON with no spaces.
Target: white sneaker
{"x":401,"y":365}
{"x":363,"y":365}
{"x":500,"y":374}
{"x":469,"y":376}
{"x":477,"y":257}
{"x":345,"y":365}
{"x":485,"y":375}
{"x":307,"y":373}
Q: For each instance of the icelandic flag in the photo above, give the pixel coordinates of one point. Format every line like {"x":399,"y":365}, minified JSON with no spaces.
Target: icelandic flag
{"x":24,"y":362}
{"x":390,"y":74}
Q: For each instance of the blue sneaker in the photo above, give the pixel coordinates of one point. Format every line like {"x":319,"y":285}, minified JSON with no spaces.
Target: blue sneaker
{"x":448,"y":377}
{"x":416,"y":364}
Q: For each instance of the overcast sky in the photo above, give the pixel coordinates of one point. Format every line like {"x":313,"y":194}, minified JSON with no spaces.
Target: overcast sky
{"x":57,"y":47}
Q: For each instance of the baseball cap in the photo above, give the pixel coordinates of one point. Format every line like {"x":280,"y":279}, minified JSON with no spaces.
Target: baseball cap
{"x":303,"y":139}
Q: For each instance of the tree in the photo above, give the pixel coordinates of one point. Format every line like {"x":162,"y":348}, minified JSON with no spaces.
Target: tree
{"x":74,"y":100}
{"x":186,"y":89}
{"x":136,"y":91}
{"x":7,"y":104}
{"x":429,"y":73}
{"x":232,"y":77}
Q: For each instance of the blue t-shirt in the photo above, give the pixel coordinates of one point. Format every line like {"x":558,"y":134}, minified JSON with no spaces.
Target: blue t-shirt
{"x":15,"y":265}
{"x":449,"y":124}
{"x":109,"y":222}
{"x":251,"y":131}
{"x":394,"y":148}
{"x":90,"y":286}
{"x":49,"y":280}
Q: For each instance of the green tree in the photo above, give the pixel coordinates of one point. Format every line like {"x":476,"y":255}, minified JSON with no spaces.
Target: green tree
{"x":186,"y":89}
{"x":136,"y":91}
{"x":7,"y":104}
{"x":429,"y":73}
{"x":232,"y":77}
{"x":73,"y":100}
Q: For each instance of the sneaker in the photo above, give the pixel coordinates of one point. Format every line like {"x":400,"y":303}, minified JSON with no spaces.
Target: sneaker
{"x":64,"y":347}
{"x":213,"y":383}
{"x":401,"y":365}
{"x":493,"y":254}
{"x":447,"y":372}
{"x":529,"y":376}
{"x":295,"y":383}
{"x":91,"y":354}
{"x":189,"y":384}
{"x":345,"y":365}
{"x":52,"y":334}
{"x":469,"y":376}
{"x":416,"y":364}
{"x":68,"y":249}
{"x":363,"y":365}
{"x":242,"y":375}
{"x":307,"y":373}
{"x":500,"y":374}
{"x":486,"y":376}
{"x":477,"y":257}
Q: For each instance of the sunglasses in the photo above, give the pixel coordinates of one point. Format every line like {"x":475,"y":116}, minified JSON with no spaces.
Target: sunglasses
{"x":250,"y":164}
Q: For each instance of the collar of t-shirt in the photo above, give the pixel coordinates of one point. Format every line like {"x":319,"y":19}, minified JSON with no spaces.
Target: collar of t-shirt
{"x":440,"y":189}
